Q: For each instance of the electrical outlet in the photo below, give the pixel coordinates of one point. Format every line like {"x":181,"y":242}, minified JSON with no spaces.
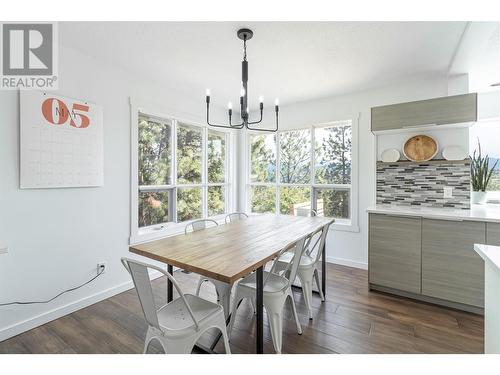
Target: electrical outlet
{"x":100,"y":267}
{"x":448,"y":192}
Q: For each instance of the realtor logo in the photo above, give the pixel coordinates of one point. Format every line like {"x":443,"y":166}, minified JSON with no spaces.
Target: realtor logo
{"x":28,"y":56}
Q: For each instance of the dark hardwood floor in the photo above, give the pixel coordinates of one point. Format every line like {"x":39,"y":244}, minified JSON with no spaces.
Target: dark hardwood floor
{"x":352,"y":320}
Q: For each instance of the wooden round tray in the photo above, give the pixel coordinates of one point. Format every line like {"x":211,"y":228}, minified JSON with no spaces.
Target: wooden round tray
{"x":420,"y":148}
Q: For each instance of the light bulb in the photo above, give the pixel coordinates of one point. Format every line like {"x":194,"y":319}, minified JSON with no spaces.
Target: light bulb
{"x":208,"y":92}
{"x":242,"y":92}
{"x":261,"y":99}
{"x":248,"y":110}
{"x":229,"y":105}
{"x":276,"y":102}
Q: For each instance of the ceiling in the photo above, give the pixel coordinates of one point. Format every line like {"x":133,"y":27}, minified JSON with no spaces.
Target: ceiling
{"x":479,"y":56}
{"x":294,"y":61}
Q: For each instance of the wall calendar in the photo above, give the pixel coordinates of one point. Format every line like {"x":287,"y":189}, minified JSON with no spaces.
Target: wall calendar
{"x":61,"y":141}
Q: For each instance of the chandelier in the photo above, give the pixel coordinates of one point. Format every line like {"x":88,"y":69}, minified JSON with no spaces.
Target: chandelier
{"x":245,"y":35}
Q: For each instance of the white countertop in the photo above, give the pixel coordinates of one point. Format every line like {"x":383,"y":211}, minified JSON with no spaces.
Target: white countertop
{"x":490,"y":254}
{"x":487,"y":212}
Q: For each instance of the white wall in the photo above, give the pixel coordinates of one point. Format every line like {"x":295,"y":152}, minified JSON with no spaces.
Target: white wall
{"x":488,"y":104}
{"x":57,"y":236}
{"x":351,"y":248}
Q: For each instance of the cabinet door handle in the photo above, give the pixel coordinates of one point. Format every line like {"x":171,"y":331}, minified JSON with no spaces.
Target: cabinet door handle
{"x":444,"y":219}
{"x":400,"y":215}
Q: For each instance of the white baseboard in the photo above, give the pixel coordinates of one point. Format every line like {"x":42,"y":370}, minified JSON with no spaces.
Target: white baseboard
{"x":38,"y":320}
{"x":347,"y":262}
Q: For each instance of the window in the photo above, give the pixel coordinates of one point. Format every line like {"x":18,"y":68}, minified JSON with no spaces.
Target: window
{"x":216,"y":172}
{"x":333,"y":166}
{"x":263,"y":158}
{"x":263,"y":199}
{"x":182,"y":174}
{"x":488,"y":133}
{"x":295,"y":157}
{"x":189,"y":154}
{"x":287,"y":174}
{"x":155,"y":171}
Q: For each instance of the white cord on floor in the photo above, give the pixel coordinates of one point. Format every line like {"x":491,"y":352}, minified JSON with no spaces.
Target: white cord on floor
{"x":53,"y":298}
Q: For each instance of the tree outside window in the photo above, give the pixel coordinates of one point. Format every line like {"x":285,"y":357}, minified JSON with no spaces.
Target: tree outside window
{"x":263,"y":158}
{"x":155,"y":168}
{"x":199,"y":187}
{"x":308,"y":179}
{"x":189,"y":150}
{"x":295,"y":157}
{"x":333,"y":165}
{"x":216,"y":172}
{"x":333,"y":155}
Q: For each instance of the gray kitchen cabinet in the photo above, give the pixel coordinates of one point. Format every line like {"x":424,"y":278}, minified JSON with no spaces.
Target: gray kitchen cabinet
{"x":439,"y":111}
{"x":451,"y":269}
{"x":395,"y":252}
{"x":493,"y":234}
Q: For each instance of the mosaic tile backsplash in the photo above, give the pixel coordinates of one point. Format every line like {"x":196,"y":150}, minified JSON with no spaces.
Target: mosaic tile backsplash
{"x":421,"y":184}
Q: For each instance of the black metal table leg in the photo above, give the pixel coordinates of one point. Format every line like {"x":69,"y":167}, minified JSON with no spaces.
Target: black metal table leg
{"x":323,"y":270}
{"x":260,"y":308}
{"x":219,"y":335}
{"x":170,"y":291}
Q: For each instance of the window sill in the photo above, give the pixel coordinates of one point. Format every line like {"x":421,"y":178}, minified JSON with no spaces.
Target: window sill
{"x":341,"y":225}
{"x":344,"y":226}
{"x":169,"y":229}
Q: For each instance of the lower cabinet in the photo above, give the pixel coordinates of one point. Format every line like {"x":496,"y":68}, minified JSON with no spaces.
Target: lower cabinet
{"x":451,"y":269}
{"x":431,"y":260}
{"x":493,"y":234}
{"x":395,"y":252}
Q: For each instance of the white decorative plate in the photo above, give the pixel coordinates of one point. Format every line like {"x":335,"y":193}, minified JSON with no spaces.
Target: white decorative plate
{"x":454,"y":153}
{"x":390,"y":155}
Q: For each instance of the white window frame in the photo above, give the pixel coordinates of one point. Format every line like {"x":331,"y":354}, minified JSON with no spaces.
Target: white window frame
{"x":138,"y":235}
{"x":492,"y":197}
{"x":350,"y":225}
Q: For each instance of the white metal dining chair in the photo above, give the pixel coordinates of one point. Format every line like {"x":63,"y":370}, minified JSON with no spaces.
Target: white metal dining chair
{"x":199,"y":225}
{"x":277,"y":289}
{"x":307,"y":270}
{"x":306,"y":212}
{"x":231,"y":218}
{"x":235,"y":216}
{"x":223,"y":290}
{"x":178,"y":325}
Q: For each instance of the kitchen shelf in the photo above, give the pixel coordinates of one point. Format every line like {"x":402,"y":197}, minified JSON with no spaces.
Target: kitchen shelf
{"x":433,"y":161}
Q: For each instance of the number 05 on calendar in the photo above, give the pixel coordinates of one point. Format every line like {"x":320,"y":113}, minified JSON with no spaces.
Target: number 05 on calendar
{"x":61,"y":141}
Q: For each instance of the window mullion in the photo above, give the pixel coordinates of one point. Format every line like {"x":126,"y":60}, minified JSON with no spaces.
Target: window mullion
{"x":277,"y":175}
{"x":314,"y":203}
{"x":204,"y":173}
{"x":248,"y":172}
{"x":171,"y":205}
{"x":174,"y":171}
{"x":227,"y":173}
{"x":313,"y":164}
{"x":313,"y":156}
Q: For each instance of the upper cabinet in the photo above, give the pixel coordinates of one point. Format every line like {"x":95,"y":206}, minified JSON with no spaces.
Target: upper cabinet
{"x":456,"y":109}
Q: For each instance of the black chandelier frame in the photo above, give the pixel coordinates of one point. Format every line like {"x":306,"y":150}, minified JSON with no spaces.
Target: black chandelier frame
{"x":245,"y":35}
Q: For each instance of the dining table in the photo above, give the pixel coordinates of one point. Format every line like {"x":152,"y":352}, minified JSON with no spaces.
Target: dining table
{"x":231,"y":251}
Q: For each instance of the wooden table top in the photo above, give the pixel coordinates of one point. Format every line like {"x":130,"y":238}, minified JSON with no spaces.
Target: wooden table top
{"x":231,"y":251}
